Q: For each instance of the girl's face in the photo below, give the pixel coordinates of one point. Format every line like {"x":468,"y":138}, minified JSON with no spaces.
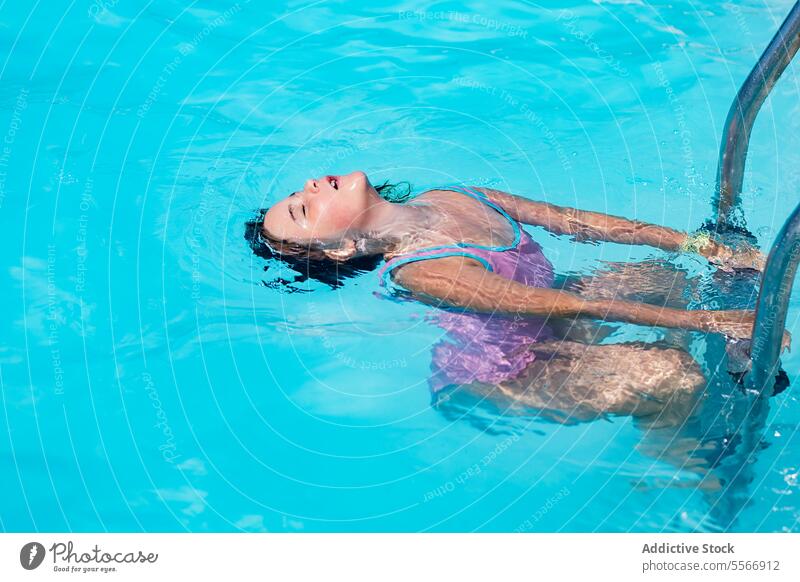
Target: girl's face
{"x":326,"y":208}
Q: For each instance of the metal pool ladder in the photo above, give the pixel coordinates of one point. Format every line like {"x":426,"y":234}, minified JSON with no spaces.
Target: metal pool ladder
{"x":784,"y":256}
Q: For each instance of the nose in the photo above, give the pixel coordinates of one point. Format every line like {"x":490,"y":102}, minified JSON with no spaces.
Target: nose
{"x":312,"y":186}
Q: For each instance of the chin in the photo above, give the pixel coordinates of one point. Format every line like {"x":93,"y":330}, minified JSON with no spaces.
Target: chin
{"x":359,"y":178}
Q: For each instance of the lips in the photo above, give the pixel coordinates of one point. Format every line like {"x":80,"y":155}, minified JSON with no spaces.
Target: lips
{"x":333,"y":181}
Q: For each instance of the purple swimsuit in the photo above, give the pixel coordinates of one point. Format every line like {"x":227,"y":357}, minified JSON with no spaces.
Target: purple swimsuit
{"x":488,"y":348}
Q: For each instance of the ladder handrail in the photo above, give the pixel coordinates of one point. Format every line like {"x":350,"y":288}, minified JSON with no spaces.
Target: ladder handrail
{"x":742,"y":115}
{"x":773,"y":304}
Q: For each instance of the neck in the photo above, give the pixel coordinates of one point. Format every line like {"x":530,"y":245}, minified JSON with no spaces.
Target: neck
{"x":393,"y":225}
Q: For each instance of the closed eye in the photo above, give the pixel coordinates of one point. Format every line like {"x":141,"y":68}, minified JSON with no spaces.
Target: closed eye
{"x":304,"y":211}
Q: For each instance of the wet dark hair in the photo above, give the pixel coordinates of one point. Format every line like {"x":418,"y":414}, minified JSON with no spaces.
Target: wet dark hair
{"x":307,"y":263}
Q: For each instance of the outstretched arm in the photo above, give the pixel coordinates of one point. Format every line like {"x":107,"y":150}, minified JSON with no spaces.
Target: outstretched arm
{"x":596,"y":226}
{"x":463,"y":282}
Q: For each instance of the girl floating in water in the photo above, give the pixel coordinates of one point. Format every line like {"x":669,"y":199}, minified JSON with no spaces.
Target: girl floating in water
{"x":513,"y":332}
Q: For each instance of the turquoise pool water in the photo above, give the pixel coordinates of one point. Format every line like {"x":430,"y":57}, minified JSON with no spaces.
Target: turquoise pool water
{"x":149,"y":381}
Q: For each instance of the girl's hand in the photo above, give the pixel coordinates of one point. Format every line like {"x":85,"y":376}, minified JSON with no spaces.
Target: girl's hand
{"x":737,"y":324}
{"x":745,"y":256}
{"x":729,"y":259}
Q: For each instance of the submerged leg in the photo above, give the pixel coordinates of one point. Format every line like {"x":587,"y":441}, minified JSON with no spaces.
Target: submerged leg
{"x":653,"y":281}
{"x":573,"y":382}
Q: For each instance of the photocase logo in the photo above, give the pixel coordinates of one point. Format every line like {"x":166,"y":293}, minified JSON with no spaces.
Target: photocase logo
{"x":31,"y":555}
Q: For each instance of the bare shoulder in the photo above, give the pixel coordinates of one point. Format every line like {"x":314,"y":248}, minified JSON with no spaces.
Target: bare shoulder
{"x":446,"y":192}
{"x":437,"y":194}
{"x":491,"y":193}
{"x":452,"y":197}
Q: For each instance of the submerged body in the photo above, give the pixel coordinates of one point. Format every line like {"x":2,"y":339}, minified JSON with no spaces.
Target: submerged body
{"x":510,"y":332}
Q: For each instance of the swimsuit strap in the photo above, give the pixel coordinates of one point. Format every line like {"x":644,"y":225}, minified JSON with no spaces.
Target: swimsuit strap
{"x":455,"y":249}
